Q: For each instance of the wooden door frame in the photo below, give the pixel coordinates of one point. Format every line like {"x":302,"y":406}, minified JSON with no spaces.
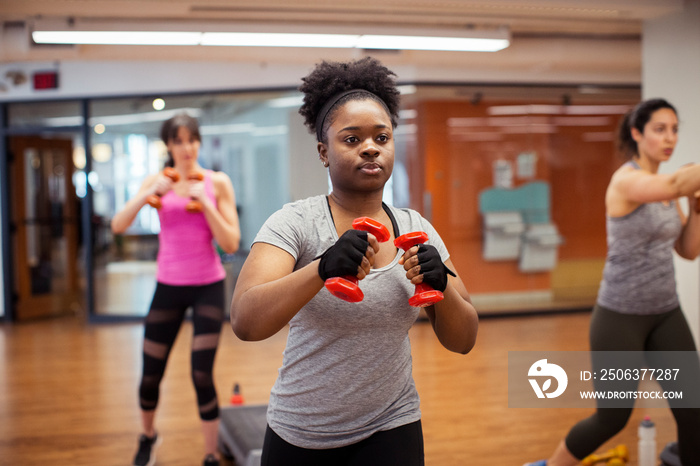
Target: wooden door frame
{"x":27,"y":306}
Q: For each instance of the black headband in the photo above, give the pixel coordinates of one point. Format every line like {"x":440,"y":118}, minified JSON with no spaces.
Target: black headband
{"x":321,"y":117}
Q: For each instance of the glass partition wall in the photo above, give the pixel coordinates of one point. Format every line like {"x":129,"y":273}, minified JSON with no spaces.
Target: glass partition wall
{"x":512,"y":177}
{"x":244,"y":136}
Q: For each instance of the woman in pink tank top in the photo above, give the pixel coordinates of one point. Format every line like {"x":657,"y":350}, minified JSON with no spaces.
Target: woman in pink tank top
{"x":196,"y":208}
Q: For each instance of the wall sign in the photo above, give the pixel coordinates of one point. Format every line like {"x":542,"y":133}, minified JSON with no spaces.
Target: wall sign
{"x":42,"y":80}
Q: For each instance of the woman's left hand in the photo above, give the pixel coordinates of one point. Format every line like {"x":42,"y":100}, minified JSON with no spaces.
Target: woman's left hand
{"x":423,"y":264}
{"x":196,"y":190}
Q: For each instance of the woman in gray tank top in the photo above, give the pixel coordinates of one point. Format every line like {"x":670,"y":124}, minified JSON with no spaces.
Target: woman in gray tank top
{"x":637,"y":308}
{"x":345,"y":393}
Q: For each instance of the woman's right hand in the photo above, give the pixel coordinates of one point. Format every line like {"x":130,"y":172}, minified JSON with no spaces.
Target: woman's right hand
{"x":352,"y":255}
{"x":161,"y":185}
{"x":152,"y":185}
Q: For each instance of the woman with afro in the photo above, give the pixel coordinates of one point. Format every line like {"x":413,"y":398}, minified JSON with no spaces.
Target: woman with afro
{"x":345,"y":393}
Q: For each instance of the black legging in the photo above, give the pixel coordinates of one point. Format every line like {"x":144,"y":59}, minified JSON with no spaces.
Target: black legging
{"x":402,"y":446}
{"x":162,"y":326}
{"x":613,"y":331}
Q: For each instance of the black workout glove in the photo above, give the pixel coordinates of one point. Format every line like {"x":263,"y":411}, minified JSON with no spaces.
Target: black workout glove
{"x":345,"y":256}
{"x":431,"y":266}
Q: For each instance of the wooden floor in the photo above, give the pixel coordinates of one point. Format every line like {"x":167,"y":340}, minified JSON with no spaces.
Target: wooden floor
{"x":68,"y":393}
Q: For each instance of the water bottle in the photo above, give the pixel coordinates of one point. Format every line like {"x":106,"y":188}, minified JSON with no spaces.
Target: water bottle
{"x":647,"y":443}
{"x":236,"y":396}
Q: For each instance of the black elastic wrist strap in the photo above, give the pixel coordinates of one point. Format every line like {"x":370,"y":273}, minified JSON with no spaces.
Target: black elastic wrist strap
{"x":434,"y":271}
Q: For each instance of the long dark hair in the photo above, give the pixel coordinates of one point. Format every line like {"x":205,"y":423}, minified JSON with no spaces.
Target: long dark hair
{"x":172,"y":125}
{"x":637,"y":118}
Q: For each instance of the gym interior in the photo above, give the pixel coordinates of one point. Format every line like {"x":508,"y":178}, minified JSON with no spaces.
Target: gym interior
{"x":507,"y":153}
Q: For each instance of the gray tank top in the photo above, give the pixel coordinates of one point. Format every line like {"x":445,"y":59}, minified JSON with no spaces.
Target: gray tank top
{"x":639,"y":277}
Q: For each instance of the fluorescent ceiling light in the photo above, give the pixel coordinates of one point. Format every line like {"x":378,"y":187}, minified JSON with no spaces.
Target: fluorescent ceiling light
{"x":57,"y":122}
{"x":407,"y":89}
{"x":596,"y":109}
{"x":474,"y":41}
{"x":117,"y":37}
{"x":143,"y":117}
{"x":452,"y":44}
{"x":466,"y":122}
{"x":558,"y":109}
{"x":231,"y":128}
{"x":118,"y":120}
{"x":262,"y":39}
{"x":286,"y":102}
{"x":524,"y":109}
{"x":405,"y":129}
{"x":408,"y":114}
{"x":264,"y":131}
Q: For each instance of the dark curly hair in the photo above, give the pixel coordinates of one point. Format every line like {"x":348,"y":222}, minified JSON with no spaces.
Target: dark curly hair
{"x":329,"y":79}
{"x":638,"y":117}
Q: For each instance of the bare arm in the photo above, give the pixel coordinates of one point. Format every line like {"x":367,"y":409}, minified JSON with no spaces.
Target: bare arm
{"x":151,"y":185}
{"x":269,"y":293}
{"x":629,"y":187}
{"x":688,"y":244}
{"x":454,"y":319}
{"x":222,"y":217}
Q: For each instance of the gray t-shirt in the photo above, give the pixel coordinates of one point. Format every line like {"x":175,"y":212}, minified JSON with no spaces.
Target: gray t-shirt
{"x":347,"y":367}
{"x":639,"y":277}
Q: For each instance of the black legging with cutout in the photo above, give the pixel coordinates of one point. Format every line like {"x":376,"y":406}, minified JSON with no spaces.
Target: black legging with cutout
{"x":161,"y":328}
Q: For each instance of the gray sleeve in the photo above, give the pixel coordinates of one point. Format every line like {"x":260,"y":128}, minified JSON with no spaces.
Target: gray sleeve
{"x":284,"y":229}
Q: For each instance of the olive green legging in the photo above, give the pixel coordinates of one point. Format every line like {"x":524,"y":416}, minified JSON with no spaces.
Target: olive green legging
{"x":613,"y":331}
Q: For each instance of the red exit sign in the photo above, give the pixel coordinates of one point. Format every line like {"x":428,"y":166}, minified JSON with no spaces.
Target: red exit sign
{"x":45,"y":80}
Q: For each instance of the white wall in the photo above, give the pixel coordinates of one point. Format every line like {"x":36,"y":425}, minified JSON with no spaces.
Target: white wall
{"x":671,"y":69}
{"x":307,"y":176}
{"x":110,"y":78}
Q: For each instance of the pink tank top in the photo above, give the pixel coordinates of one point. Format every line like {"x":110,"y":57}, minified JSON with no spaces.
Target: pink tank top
{"x":186,"y":253}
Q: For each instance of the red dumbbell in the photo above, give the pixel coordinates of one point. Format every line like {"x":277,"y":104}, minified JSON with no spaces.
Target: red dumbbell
{"x":424,"y":295}
{"x":154,"y":199}
{"x":194,"y":206}
{"x":346,"y":288}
